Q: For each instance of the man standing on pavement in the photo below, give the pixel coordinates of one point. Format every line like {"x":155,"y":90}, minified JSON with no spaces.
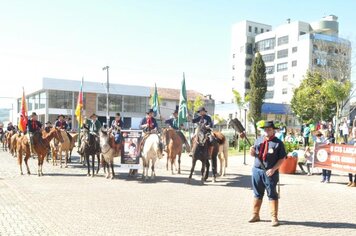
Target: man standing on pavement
{"x":269,"y":153}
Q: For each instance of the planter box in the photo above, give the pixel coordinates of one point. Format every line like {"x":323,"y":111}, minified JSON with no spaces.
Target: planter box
{"x":289,"y":165}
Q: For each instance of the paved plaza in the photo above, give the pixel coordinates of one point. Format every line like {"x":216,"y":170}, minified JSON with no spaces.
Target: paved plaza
{"x":67,"y":202}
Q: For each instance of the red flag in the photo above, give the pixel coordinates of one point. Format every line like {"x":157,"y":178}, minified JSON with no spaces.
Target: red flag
{"x":23,"y":113}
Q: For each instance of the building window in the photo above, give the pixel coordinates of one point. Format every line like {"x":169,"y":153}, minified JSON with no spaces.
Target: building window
{"x":301,"y":33}
{"x":233,"y":67}
{"x":269,"y":69}
{"x":320,"y":62}
{"x":294,"y":49}
{"x":266,"y":44}
{"x":115,"y":102}
{"x":269,"y":94}
{"x":233,"y":78}
{"x":60,"y":99}
{"x":284,"y":91}
{"x":233,"y":55}
{"x":247,"y":85}
{"x":285,"y":78}
{"x":256,"y":30}
{"x":282,"y":53}
{"x":283,"y":40}
{"x":43,"y":100}
{"x":248,"y":62}
{"x":249,"y":49}
{"x":135,"y":104}
{"x":268,"y":57}
{"x":249,"y":28}
{"x":294,"y":63}
{"x":270,"y":82}
{"x":282,"y":67}
{"x":262,"y":30}
{"x":267,"y":30}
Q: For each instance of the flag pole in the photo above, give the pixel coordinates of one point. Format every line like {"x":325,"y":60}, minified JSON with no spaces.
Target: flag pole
{"x":81,"y":112}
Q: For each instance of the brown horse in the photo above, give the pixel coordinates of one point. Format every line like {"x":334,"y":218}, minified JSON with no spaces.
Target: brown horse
{"x":23,"y":148}
{"x":41,"y":145}
{"x":66,"y":147}
{"x":223,"y":151}
{"x":13,"y":144}
{"x":8,"y":135}
{"x":174,"y":144}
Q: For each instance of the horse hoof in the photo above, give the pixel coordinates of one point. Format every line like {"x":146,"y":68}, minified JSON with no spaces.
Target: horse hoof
{"x":65,"y":166}
{"x":112,"y":177}
{"x":88,"y":175}
{"x":188,"y":181}
{"x":29,"y":173}
{"x":214,"y":180}
{"x":21,"y":173}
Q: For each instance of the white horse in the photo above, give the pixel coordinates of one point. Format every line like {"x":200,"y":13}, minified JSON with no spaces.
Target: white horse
{"x":152,"y":149}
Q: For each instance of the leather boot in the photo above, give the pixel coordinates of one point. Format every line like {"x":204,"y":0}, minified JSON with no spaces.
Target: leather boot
{"x":256,"y":210}
{"x":274,"y":212}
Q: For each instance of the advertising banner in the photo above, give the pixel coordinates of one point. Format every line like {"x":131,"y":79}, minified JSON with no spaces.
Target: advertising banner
{"x":335,"y":157}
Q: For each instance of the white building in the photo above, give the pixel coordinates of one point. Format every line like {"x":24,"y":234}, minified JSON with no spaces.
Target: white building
{"x":288,"y":52}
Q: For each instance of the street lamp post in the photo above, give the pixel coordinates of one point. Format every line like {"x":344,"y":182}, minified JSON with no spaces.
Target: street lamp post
{"x":245,"y":109}
{"x":107,"y":95}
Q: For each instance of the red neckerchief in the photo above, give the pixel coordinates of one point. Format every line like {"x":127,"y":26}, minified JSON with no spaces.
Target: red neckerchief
{"x":34,"y":125}
{"x":264,"y":148}
{"x":150,"y":122}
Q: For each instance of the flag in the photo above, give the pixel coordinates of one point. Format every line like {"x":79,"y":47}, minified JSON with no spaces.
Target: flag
{"x":183,"y":109}
{"x":23,"y":113}
{"x":155,"y":103}
{"x":78,"y":110}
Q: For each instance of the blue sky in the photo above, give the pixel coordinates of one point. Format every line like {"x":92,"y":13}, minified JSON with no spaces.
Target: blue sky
{"x":143,"y":42}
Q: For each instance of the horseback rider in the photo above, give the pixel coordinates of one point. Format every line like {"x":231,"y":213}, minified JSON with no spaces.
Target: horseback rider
{"x":116,"y":126}
{"x":33,"y":126}
{"x":173,"y":123}
{"x":148,"y":125}
{"x":205,"y":119}
{"x":93,"y":124}
{"x":61,"y":123}
{"x":10,"y":127}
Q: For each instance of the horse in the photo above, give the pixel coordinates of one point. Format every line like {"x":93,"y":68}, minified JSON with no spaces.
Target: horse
{"x":108,"y":151}
{"x":23,"y":149}
{"x":222,"y":152}
{"x":8,"y":135}
{"x":13,"y":143}
{"x":74,"y":137}
{"x":174,"y":144}
{"x":58,"y":148}
{"x":202,"y":150}
{"x":152,"y":149}
{"x":41,"y":144}
{"x":90,"y":147}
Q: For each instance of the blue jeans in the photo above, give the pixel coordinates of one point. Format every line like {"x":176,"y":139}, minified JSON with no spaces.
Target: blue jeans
{"x":117,"y":138}
{"x":326,"y":175}
{"x":261,"y":182}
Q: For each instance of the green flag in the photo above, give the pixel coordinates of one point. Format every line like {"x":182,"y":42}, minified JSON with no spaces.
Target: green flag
{"x":183,"y":109}
{"x":155,"y":103}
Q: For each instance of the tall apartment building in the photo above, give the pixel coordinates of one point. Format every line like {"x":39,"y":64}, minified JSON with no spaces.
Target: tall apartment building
{"x":289,"y":51}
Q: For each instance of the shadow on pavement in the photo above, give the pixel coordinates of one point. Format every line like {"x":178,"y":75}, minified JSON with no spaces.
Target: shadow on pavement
{"x":327,"y":225}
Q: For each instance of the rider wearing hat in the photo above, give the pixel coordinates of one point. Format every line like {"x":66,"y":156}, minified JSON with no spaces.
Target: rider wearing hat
{"x":93,"y":124}
{"x":33,"y":126}
{"x":61,"y":123}
{"x":148,"y":123}
{"x":10,"y":127}
{"x":269,"y":153}
{"x":205,"y":119}
{"x":116,"y":126}
{"x":173,"y":123}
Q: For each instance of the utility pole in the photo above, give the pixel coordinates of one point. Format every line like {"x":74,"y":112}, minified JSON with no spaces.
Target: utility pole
{"x":107,"y":96}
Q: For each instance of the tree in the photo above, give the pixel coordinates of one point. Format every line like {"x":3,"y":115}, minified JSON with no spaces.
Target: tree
{"x":337,"y":92}
{"x":310,"y":101}
{"x":218,"y":120}
{"x":258,"y":89}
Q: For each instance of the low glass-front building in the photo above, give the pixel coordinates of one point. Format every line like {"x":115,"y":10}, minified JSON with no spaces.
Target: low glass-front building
{"x":58,"y":96}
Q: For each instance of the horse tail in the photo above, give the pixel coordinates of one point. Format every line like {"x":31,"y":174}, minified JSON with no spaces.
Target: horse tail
{"x":226,"y":152}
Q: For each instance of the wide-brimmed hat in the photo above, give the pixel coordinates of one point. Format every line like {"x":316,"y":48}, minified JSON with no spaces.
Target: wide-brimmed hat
{"x":269,"y":124}
{"x":92,"y":115}
{"x":149,"y":111}
{"x":61,"y":115}
{"x":202,"y":109}
{"x":33,"y":114}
